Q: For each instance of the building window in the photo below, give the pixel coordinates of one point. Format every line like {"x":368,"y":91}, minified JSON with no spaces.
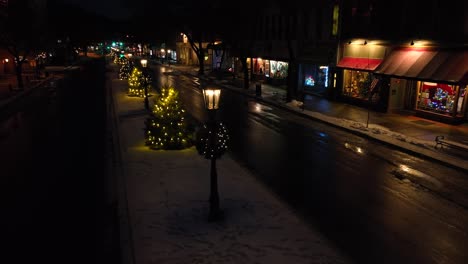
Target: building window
{"x":278,"y":69}
{"x":315,"y":78}
{"x":357,"y":84}
{"x":438,"y":98}
{"x":259,"y":66}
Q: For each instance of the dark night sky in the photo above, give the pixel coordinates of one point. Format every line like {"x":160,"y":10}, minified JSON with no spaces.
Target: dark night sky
{"x":114,"y":9}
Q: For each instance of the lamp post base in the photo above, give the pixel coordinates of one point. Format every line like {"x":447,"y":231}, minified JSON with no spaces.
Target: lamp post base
{"x":215,"y":213}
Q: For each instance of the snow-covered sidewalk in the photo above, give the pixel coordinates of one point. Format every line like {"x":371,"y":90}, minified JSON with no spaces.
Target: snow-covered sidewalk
{"x":167,"y":200}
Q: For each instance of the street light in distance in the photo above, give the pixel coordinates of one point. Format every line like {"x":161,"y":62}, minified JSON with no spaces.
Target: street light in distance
{"x":144,"y":63}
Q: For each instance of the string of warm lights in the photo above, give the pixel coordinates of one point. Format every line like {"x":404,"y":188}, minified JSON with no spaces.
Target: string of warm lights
{"x":167,"y":127}
{"x":125,"y":70}
{"x":136,"y":83}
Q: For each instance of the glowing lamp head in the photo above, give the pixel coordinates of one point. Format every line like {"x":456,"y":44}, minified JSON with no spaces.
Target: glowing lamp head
{"x":144,"y":63}
{"x":211,"y":96}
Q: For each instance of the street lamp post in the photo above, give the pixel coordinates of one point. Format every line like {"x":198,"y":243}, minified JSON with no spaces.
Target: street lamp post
{"x":168,"y":57}
{"x":144,"y":63}
{"x":211,"y":96}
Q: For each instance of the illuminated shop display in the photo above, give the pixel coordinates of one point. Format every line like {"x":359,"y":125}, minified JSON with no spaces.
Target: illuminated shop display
{"x":267,"y":68}
{"x":270,"y":68}
{"x":309,"y":81}
{"x":323,"y":75}
{"x":259,"y":66}
{"x":357,"y":84}
{"x":278,"y":69}
{"x":314,"y":77}
{"x":441,"y":98}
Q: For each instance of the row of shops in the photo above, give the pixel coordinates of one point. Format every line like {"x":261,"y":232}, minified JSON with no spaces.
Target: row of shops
{"x":429,"y":81}
{"x":423,"y":77}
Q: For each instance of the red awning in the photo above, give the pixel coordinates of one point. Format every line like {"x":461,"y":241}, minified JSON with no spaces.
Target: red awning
{"x":435,"y":65}
{"x":359,"y":63}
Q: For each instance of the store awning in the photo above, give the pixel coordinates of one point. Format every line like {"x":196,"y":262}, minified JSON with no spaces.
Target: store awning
{"x":434,"y":65}
{"x":368,"y":64}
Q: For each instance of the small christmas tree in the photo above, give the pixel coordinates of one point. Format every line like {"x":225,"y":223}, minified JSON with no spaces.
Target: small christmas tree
{"x":119,"y":58}
{"x":116,"y":58}
{"x":167,"y":127}
{"x":136,"y":83}
{"x":125,"y":70}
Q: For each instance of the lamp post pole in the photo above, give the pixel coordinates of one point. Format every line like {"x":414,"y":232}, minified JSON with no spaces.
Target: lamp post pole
{"x":146,"y":95}
{"x":211,"y":96}
{"x":215,"y":212}
{"x":145,"y":82}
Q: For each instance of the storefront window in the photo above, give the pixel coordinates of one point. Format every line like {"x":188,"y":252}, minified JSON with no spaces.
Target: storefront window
{"x":436,"y":97}
{"x":278,"y":69}
{"x":267,"y":68}
{"x":259,"y":66}
{"x":315,"y":77}
{"x":357,"y":84}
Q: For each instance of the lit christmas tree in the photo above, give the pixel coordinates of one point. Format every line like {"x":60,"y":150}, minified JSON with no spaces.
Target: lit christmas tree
{"x":116,"y":58}
{"x":136,"y":82}
{"x":125,"y":70}
{"x":212,"y":146}
{"x":113,"y":56}
{"x":167,"y":127}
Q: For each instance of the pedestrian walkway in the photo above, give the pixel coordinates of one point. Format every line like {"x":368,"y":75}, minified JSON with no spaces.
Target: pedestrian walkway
{"x":164,"y":203}
{"x":405,"y":131}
